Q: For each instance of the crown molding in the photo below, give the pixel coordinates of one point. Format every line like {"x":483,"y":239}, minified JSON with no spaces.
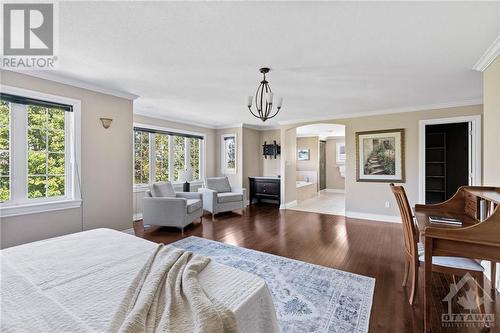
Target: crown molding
{"x":487,"y":58}
{"x":470,"y":102}
{"x":149,"y":114}
{"x":249,"y":126}
{"x":47,"y":75}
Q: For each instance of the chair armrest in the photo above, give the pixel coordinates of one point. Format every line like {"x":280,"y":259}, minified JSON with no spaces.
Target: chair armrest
{"x":209,"y":199}
{"x":241,"y":190}
{"x":157,"y":209}
{"x":188,"y":195}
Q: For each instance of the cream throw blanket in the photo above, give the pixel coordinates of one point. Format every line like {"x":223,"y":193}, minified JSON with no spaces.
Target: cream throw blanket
{"x":164,"y":297}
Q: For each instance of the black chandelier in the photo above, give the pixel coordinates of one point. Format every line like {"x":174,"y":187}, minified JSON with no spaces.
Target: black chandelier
{"x":264,"y":100}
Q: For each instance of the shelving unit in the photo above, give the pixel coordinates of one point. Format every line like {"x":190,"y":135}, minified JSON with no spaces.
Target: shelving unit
{"x":435,"y":168}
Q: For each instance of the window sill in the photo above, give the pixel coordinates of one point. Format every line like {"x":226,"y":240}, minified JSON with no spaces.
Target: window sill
{"x":39,"y":207}
{"x":177,"y":185}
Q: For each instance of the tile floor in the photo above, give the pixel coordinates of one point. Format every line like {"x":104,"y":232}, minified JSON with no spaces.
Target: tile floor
{"x":325,"y":203}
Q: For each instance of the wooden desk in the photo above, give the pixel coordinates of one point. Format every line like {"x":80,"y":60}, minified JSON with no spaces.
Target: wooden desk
{"x":477,"y":238}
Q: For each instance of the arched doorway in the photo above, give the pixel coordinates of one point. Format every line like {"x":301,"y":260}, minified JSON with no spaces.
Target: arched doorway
{"x":314,"y":168}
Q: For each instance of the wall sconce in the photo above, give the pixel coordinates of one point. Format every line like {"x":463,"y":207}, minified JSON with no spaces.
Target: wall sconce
{"x":106,"y":122}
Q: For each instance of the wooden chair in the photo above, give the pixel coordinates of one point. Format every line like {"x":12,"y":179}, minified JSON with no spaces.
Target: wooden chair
{"x":414,"y":251}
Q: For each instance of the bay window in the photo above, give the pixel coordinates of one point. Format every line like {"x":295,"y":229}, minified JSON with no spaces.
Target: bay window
{"x":37,"y":152}
{"x":175,"y":156}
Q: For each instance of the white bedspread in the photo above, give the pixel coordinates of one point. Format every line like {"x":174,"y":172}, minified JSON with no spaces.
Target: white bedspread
{"x":78,"y":283}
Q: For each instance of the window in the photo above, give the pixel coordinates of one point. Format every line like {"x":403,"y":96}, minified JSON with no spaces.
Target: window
{"x":46,"y":152}
{"x":179,"y":156}
{"x":194,"y":150}
{"x":161,"y":150}
{"x":228,"y":153}
{"x":37,"y":152}
{"x":4,"y":151}
{"x":340,"y":149}
{"x":174,"y":154}
{"x":141,"y":157}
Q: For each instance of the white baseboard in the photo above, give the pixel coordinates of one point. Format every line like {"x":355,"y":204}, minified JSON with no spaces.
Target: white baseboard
{"x":289,"y":204}
{"x":137,"y":217}
{"x":374,"y":217}
{"x":333,"y":190}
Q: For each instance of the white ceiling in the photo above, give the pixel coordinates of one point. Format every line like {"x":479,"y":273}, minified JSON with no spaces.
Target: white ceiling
{"x":322,"y":130}
{"x":197,"y":61}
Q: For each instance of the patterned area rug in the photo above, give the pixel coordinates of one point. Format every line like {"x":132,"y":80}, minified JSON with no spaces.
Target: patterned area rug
{"x":307,"y":298}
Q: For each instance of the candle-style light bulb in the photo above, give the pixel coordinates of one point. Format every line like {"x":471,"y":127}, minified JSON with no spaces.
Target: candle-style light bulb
{"x":270,"y":96}
{"x":249,"y":101}
{"x":280,"y":102}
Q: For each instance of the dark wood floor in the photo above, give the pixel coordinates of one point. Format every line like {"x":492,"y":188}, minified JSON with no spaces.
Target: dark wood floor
{"x":359,"y":246}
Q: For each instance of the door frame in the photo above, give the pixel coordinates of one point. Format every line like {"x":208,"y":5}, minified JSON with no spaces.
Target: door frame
{"x":475,"y":150}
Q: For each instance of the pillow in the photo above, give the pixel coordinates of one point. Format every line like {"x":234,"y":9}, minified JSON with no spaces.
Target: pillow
{"x":162,"y":189}
{"x":218,"y":184}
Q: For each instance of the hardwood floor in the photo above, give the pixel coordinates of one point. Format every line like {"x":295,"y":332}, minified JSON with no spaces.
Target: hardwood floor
{"x":359,"y":246}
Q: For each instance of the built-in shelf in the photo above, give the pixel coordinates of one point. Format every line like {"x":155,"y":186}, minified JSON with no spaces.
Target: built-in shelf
{"x":435,"y":167}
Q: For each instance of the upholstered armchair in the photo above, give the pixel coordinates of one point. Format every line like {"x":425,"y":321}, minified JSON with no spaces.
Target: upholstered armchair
{"x":219,"y":196}
{"x":163,"y":206}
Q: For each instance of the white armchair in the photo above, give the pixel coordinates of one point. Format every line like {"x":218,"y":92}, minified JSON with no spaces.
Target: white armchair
{"x":219,"y":196}
{"x":163,"y":206}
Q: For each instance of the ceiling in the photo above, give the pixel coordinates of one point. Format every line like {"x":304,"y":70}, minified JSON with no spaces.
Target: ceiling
{"x":198,"y":61}
{"x":324,"y":131}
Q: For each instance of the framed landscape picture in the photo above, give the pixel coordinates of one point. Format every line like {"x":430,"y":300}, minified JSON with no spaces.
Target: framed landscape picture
{"x":380,"y":156}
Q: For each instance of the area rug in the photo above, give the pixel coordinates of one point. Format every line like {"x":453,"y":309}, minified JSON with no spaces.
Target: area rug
{"x":307,"y":297}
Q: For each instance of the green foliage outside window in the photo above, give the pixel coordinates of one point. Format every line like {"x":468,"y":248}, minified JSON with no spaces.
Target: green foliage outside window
{"x":179,"y":156}
{"x":161,"y":158}
{"x":4,"y":151}
{"x":230,"y":144}
{"x":195,"y":158}
{"x":46,"y":152}
{"x":141,"y":157}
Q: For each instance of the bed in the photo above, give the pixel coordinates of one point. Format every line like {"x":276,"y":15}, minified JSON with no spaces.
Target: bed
{"x":86,"y":275}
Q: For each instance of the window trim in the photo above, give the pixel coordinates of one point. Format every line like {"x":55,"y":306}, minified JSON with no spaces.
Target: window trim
{"x":143,"y":187}
{"x":73,"y":167}
{"x":224,"y":169}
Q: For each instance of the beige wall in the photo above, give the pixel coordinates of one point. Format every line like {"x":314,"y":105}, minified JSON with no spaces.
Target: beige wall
{"x":106,"y":167}
{"x":333,"y":178}
{"x":370,"y":198}
{"x":270,"y":166}
{"x":311,"y":143}
{"x":252,"y":155}
{"x":491,"y":151}
{"x":288,"y":165}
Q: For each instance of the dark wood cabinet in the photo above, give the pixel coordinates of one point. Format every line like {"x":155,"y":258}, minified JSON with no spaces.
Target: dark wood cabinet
{"x":265,"y":188}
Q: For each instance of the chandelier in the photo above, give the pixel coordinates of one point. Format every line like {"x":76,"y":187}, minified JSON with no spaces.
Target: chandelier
{"x":264,"y":100}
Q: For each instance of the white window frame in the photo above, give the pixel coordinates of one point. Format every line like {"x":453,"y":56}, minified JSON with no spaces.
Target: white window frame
{"x":152,"y":164}
{"x":224,"y":169}
{"x":19,"y":204}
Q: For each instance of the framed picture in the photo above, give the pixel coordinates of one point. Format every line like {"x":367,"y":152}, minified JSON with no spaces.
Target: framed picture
{"x":303,"y":155}
{"x":380,"y":156}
